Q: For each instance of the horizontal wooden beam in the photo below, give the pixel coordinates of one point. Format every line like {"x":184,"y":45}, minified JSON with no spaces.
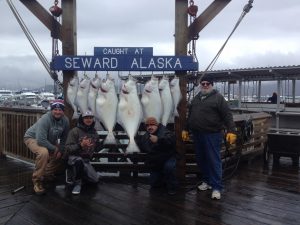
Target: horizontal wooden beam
{"x":206,"y":16}
{"x":43,"y":15}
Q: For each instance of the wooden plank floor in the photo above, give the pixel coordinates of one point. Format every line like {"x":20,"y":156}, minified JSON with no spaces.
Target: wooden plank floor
{"x":256,"y":194}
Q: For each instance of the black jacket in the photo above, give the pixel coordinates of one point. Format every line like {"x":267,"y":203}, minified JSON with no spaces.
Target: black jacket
{"x":76,"y":134}
{"x":158,"y":153}
{"x":210,"y":114}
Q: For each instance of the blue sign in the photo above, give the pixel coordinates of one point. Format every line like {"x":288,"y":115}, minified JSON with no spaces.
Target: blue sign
{"x":101,"y":51}
{"x":124,"y":63}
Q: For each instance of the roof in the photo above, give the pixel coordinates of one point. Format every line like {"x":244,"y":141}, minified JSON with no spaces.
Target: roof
{"x":254,"y":74}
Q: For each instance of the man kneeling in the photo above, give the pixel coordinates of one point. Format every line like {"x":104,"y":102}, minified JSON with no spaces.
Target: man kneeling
{"x":159,"y":144}
{"x":81,"y":143}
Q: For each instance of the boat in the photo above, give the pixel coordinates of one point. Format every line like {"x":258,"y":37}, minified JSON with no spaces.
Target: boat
{"x":45,"y":99}
{"x":5,"y":96}
{"x":25,"y":99}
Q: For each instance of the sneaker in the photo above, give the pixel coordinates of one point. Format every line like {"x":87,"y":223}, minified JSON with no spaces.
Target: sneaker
{"x":76,"y":190}
{"x":38,"y":188}
{"x":216,"y":195}
{"x":204,"y":186}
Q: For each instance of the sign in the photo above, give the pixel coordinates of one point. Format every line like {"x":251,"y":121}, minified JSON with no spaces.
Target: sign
{"x":123,"y":62}
{"x":100,"y":51}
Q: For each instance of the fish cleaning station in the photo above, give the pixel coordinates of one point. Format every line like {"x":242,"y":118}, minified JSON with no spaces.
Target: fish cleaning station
{"x":257,"y":190}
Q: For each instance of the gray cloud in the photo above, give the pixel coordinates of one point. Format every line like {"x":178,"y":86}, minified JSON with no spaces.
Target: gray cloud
{"x":268,"y":35}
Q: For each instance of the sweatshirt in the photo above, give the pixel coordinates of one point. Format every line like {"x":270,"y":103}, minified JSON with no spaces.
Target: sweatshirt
{"x":49,"y":132}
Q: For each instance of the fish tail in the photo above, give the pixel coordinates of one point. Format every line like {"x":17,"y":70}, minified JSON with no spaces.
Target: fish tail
{"x":75,"y":115}
{"x":110,"y":139}
{"x":132,"y":147}
{"x":176,"y":114}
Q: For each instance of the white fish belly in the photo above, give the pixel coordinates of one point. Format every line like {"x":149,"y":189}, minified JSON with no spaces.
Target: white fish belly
{"x":152,"y":106}
{"x":106,"y":109}
{"x":81,"y":100}
{"x":167,"y":105}
{"x":129,"y":115}
{"x":92,"y":95}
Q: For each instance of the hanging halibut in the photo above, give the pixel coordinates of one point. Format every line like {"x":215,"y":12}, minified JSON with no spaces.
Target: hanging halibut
{"x":166,"y":99}
{"x":72,"y":93}
{"x":151,"y":101}
{"x":93,"y":91}
{"x":82,"y":95}
{"x":130,"y":112}
{"x":176,"y":94}
{"x":106,"y":108}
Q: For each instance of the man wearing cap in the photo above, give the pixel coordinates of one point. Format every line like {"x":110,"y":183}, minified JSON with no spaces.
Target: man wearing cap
{"x":81,"y":143}
{"x":46,"y":139}
{"x":208,"y":115}
{"x":159,"y":144}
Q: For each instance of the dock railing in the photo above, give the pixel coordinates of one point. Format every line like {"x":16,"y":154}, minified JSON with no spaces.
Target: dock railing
{"x":15,"y":121}
{"x":13,"y":124}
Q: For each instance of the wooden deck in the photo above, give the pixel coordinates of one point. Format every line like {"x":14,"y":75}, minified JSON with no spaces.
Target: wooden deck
{"x":256,"y":194}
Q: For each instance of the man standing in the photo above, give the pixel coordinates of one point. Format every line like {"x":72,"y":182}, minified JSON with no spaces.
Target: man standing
{"x":159,"y":144}
{"x":208,"y":114}
{"x":46,"y":139}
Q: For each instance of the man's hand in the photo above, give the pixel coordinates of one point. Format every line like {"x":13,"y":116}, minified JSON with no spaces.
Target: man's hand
{"x":153,"y":138}
{"x":231,"y":138}
{"x":57,"y":154}
{"x":86,"y":143}
{"x":185,"y":135}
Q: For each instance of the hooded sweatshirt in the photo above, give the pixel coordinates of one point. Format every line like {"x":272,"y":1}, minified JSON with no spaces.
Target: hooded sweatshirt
{"x":49,"y":132}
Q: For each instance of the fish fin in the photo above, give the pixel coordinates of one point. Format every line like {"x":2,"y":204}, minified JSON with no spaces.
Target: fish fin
{"x":75,"y":116}
{"x":132,"y":147}
{"x":176,"y":114}
{"x":110,"y":139}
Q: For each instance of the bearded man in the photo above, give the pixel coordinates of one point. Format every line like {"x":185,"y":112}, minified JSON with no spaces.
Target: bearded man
{"x":208,"y":115}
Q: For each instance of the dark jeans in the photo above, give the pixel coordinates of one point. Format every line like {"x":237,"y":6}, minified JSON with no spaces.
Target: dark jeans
{"x":208,"y":157}
{"x":167,"y":175}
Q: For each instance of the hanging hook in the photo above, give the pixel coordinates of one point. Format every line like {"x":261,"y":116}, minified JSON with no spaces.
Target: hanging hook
{"x":55,"y":9}
{"x":192,"y":9}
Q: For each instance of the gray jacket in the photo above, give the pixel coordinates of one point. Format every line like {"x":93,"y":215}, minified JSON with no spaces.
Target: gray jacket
{"x":210,"y":114}
{"x":48,"y":132}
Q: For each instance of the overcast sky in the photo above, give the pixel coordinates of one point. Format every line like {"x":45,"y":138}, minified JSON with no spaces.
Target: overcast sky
{"x":268,"y":36}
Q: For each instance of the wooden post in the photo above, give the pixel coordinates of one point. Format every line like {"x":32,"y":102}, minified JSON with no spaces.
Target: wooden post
{"x":69,"y":44}
{"x":181,"y":36}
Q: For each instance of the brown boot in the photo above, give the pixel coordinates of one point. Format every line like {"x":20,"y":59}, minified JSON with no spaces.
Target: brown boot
{"x":38,"y":187}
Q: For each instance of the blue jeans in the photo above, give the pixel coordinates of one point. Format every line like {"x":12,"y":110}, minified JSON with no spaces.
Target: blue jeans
{"x":208,"y":157}
{"x":165,"y":176}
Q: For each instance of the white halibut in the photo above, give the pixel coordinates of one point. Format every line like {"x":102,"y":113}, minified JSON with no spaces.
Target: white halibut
{"x":93,"y":91}
{"x":151,"y":101}
{"x":166,"y":99}
{"x":130,"y":112}
{"x":72,"y":93}
{"x":106,"y":108}
{"x":176,"y":94}
{"x":82,"y":95}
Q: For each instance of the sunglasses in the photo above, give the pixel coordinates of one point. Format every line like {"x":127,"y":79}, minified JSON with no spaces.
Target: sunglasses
{"x":205,"y":83}
{"x":148,"y":125}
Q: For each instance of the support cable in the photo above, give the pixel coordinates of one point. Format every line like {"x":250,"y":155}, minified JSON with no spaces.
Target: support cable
{"x":246,"y":9}
{"x":34,"y":45}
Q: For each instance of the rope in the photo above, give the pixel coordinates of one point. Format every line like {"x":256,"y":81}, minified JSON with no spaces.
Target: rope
{"x":34,"y":44}
{"x":246,"y":9}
